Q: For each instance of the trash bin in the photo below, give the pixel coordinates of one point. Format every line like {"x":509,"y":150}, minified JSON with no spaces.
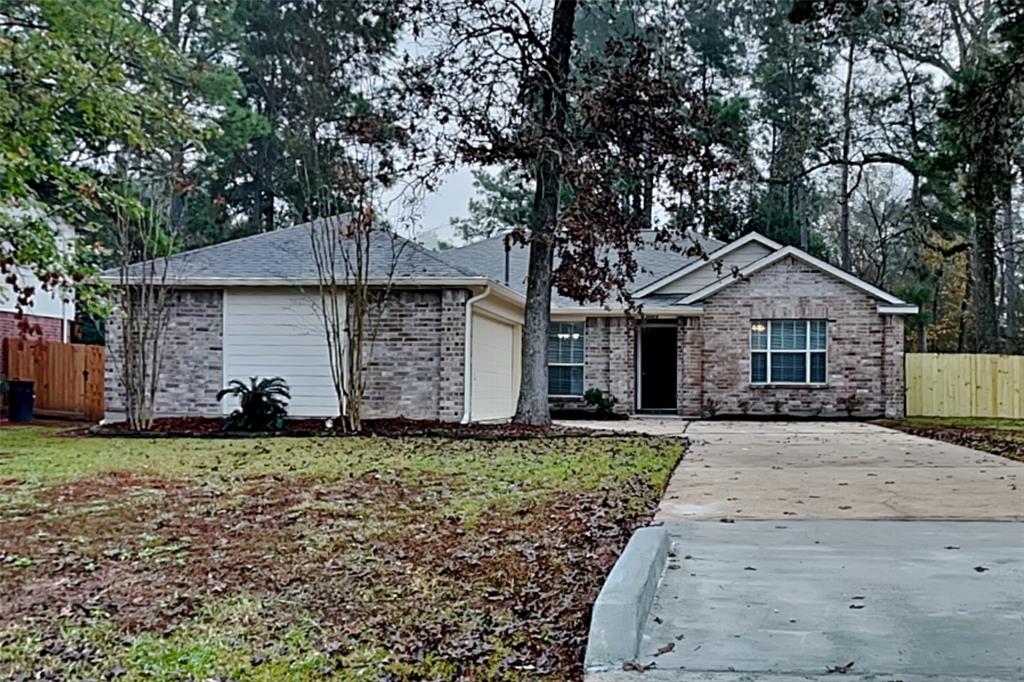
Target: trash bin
{"x":21,"y":400}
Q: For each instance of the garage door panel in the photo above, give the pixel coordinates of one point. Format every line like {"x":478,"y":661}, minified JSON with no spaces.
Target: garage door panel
{"x":493,"y":378}
{"x":278,"y":332}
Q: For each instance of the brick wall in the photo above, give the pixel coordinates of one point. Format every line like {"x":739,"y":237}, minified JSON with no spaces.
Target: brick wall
{"x":414,"y":369}
{"x":47,"y":328}
{"x":609,"y":361}
{"x":865,"y":356}
{"x":192,"y":365}
{"x":416,"y":366}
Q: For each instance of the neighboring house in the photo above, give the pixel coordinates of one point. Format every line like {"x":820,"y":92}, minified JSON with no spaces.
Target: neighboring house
{"x":50,"y":315}
{"x":750,"y":328}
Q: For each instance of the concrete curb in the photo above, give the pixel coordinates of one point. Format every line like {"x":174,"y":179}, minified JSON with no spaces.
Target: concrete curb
{"x":625,"y":601}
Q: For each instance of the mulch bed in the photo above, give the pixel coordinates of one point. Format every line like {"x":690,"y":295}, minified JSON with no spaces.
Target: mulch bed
{"x":213,"y":427}
{"x":1005,"y":443}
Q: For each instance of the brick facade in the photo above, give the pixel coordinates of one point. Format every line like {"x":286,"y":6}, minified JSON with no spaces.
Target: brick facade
{"x":865,"y":375}
{"x":416,"y":366}
{"x":414,"y":369}
{"x":609,"y":359}
{"x":865,"y":349}
{"x":192,"y":363}
{"x":11,"y":326}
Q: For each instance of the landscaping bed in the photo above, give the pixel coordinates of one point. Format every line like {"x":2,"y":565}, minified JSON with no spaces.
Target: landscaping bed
{"x":312,"y":558}
{"x":192,"y":427}
{"x":1003,"y":437}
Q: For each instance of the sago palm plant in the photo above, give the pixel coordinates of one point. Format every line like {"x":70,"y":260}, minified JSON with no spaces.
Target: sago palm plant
{"x":262,"y":403}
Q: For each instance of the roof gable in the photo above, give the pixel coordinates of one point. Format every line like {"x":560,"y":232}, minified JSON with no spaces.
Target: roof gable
{"x":807,"y":259}
{"x":702,"y":271}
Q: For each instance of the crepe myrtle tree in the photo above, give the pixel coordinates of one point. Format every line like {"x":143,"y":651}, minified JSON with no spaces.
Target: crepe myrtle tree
{"x":354,"y":249}
{"x":142,"y":298}
{"x":508,"y":83}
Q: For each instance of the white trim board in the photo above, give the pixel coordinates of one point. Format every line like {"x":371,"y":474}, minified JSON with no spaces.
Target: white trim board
{"x":711,"y":257}
{"x":804,"y":257}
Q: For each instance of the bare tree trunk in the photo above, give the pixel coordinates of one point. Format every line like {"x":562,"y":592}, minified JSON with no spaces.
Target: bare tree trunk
{"x":844,"y":196}
{"x":1010,"y":284}
{"x":532,"y":407}
{"x":984,"y":335}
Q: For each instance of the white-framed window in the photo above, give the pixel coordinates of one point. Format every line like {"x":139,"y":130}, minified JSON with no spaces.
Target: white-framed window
{"x":565,"y":359}
{"x":788,"y":351}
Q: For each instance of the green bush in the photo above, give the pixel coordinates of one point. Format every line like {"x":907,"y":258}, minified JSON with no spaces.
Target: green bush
{"x":604,"y":402}
{"x":262,"y":404}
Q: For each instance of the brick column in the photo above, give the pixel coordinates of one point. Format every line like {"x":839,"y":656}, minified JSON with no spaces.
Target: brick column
{"x":893,"y":367}
{"x":622,"y":362}
{"x":690,"y":361}
{"x":452,"y":359}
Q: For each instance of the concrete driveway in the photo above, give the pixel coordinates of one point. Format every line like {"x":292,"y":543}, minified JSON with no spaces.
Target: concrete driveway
{"x":838,"y":470}
{"x":792,"y":557}
{"x":831,"y":470}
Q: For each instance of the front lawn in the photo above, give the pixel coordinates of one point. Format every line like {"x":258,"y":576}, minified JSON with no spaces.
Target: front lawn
{"x":311,"y":558}
{"x":1004,"y":437}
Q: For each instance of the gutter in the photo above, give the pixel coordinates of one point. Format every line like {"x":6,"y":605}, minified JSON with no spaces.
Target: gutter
{"x":467,"y":373}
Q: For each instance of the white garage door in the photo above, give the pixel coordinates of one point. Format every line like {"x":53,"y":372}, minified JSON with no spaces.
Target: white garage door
{"x":278,"y":332}
{"x":494,"y":361}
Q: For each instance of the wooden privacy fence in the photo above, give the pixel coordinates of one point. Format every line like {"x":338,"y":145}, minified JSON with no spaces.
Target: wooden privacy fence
{"x":68,"y":377}
{"x":965,"y":385}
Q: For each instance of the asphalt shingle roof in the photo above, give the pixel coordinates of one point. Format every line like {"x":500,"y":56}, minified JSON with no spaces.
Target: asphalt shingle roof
{"x":287,"y":254}
{"x":654,"y":261}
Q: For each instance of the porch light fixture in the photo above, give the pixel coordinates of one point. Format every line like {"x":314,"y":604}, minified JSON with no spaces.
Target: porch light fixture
{"x":758,"y":327}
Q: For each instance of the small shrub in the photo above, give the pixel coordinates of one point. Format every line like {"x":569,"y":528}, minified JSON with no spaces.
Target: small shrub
{"x":604,"y":402}
{"x":744,"y":406}
{"x":851,"y":403}
{"x":777,"y":406}
{"x":262,"y":404}
{"x":710,"y":408}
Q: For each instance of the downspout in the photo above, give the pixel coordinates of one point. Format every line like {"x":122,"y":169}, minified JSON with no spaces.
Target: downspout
{"x":467,"y":374}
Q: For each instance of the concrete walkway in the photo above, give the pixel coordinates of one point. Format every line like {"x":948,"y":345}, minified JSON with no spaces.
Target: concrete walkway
{"x":792,"y":557}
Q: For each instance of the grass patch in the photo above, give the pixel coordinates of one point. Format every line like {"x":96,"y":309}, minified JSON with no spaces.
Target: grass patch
{"x":294,"y":559}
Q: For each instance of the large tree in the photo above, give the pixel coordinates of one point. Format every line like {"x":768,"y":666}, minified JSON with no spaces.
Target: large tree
{"x":509,"y":85}
{"x":83,"y":85}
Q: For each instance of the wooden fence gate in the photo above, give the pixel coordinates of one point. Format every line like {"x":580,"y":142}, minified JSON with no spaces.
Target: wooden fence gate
{"x":68,"y":377}
{"x":965,"y":385}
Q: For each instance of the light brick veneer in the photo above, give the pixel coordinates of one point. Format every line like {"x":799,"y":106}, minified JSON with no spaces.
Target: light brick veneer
{"x":416,"y":366}
{"x":192,"y":364}
{"x":865,"y":349}
{"x":414,"y":369}
{"x":609,"y":360}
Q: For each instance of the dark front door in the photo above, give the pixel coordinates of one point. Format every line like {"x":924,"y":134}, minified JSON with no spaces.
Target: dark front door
{"x":657,"y":365}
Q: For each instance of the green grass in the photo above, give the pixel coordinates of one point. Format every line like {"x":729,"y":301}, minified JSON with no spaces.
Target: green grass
{"x":310,"y":558}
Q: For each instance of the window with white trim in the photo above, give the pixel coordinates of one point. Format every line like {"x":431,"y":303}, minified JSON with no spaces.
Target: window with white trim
{"x":788,"y":351}
{"x":565,"y":359}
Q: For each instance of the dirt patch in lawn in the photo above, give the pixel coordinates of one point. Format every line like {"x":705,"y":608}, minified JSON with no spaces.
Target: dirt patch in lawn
{"x":191,"y":427}
{"x":1005,"y":443}
{"x":372,"y":573}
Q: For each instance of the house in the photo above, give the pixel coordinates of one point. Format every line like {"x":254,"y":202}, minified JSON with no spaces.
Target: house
{"x":50,"y":314}
{"x":749,"y":327}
